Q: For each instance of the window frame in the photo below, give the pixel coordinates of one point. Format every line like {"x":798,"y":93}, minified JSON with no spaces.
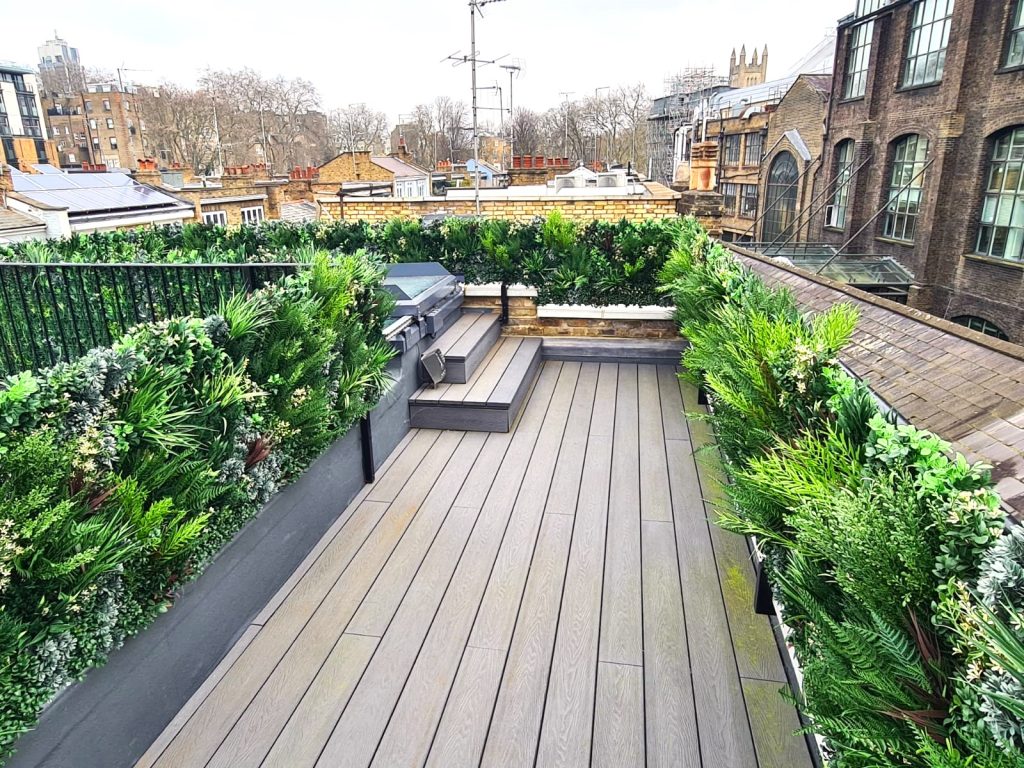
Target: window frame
{"x":899,"y":224}
{"x":921,"y":28}
{"x":110,"y":123}
{"x":253,"y":212}
{"x":1013,"y":56}
{"x":995,"y":198}
{"x":745,"y":197}
{"x":215,"y":218}
{"x":981,"y":325}
{"x":858,"y":60}
{"x":753,"y":140}
{"x":731,"y":149}
{"x":113,"y":142}
{"x":842,"y":178}
{"x":730,"y":190}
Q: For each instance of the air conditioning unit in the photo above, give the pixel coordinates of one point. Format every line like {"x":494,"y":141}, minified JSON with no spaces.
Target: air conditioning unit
{"x":567,"y":181}
{"x":834,"y":217}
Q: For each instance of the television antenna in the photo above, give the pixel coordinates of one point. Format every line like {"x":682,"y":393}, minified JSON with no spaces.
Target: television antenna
{"x":474,"y":60}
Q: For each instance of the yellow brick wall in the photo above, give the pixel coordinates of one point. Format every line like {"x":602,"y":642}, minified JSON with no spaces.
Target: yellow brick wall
{"x":662,"y":204}
{"x":345,"y":167}
{"x":523,"y":321}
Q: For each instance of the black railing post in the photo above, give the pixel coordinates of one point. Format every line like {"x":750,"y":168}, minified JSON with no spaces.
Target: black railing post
{"x":366,"y":441}
{"x":504,"y":303}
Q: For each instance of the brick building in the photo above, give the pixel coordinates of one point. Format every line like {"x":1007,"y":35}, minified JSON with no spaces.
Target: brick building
{"x":924,"y":158}
{"x":396,"y":172}
{"x":743,"y":73}
{"x":793,"y":143}
{"x":23,"y":138}
{"x":98,"y":126}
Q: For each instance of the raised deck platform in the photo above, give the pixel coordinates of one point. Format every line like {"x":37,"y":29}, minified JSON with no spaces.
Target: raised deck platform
{"x":465,"y":345}
{"x":492,"y":397}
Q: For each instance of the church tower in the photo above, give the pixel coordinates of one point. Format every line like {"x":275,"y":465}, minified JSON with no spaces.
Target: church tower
{"x":743,"y":72}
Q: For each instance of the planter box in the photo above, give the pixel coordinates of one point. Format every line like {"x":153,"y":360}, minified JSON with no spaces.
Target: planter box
{"x":494,"y":289}
{"x":613,"y":312}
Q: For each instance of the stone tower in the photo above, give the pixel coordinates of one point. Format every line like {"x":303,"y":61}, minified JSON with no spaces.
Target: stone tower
{"x":743,"y":73}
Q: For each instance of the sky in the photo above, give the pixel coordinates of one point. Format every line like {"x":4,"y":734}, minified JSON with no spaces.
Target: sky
{"x":388,"y":54}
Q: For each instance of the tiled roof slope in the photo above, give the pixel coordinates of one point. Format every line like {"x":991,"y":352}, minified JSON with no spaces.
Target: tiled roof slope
{"x":961,"y":385}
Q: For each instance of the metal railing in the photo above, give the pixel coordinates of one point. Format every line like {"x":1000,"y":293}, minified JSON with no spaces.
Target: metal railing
{"x":55,"y":312}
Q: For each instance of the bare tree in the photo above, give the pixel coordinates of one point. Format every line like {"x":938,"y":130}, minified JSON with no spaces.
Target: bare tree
{"x":450,"y":119}
{"x":528,"y":133}
{"x":63,"y":81}
{"x":358,"y":128}
{"x":180,"y":125}
{"x":635,"y":106}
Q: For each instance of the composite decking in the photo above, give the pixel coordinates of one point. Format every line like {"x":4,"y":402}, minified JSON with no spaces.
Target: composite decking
{"x":550,"y":596}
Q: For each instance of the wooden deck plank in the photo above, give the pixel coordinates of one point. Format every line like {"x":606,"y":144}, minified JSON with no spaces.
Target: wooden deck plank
{"x":603,"y":422}
{"x":428,"y":394}
{"x":300,"y":743}
{"x":477,"y":328}
{"x":201,"y":734}
{"x":569,"y":713}
{"x":419,"y":710}
{"x":671,"y":720}
{"x":619,"y":717}
{"x":480,"y":390}
{"x":192,"y":705}
{"x":775,"y":724}
{"x":565,"y":484}
{"x":383,"y":599}
{"x":358,"y":732}
{"x":281,"y":640}
{"x":497,"y":616}
{"x":390,"y":484}
{"x":515,"y":726}
{"x":621,"y":621}
{"x":252,"y":736}
{"x":524,"y":359}
{"x":459,"y":742}
{"x":655,"y":496}
{"x":721,"y":714}
{"x":673,"y":410}
{"x":331,"y":533}
{"x":454,"y":333}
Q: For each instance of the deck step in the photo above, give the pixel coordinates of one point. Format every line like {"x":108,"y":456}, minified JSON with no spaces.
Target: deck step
{"x":466,"y":343}
{"x":491,"y":399}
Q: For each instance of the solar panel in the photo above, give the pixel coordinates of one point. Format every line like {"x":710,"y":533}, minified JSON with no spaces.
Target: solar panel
{"x":88,"y":192}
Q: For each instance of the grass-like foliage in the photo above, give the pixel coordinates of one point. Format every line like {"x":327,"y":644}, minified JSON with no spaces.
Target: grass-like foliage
{"x":124,"y":472}
{"x":883,"y":547}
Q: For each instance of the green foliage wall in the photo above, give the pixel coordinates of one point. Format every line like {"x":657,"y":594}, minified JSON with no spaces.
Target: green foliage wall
{"x":600,"y":263}
{"x":884,"y":548}
{"x":124,"y":472}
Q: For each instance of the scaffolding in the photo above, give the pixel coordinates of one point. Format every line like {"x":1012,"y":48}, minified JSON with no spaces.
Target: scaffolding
{"x":685,"y":91}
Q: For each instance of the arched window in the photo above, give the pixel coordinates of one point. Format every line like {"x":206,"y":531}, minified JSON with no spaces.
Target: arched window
{"x":780,"y":201}
{"x":1001,"y":234}
{"x":842,"y":181}
{"x":906,"y":185}
{"x":981,"y":325}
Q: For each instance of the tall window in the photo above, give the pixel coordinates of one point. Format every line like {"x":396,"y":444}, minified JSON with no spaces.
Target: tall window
{"x":731,"y":149}
{"x":858,"y":56}
{"x":1001,"y":234}
{"x":752,"y":148}
{"x":780,"y":197}
{"x":926,"y":46}
{"x":113,"y":142}
{"x":842,"y":180}
{"x":905,"y":187}
{"x":1015,"y":45}
{"x":748,"y":201}
{"x":730,"y":194}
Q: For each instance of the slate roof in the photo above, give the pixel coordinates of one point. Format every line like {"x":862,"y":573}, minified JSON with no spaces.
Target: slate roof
{"x":398,"y":167}
{"x":15,"y":221}
{"x":298,"y":212}
{"x":963,"y":386}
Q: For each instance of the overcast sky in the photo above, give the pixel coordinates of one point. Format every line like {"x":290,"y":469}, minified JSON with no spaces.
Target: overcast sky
{"x":387,"y":53}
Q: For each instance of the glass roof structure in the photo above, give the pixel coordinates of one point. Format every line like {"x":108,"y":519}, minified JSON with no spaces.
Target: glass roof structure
{"x":874,"y":273}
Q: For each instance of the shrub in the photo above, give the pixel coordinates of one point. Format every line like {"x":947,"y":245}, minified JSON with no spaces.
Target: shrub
{"x":125,"y":471}
{"x":874,"y":534}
